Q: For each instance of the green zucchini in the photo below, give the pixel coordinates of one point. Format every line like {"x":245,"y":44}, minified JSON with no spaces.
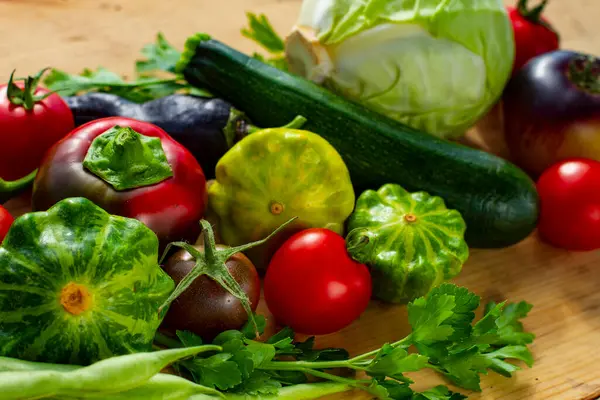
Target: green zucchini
{"x":498,"y":201}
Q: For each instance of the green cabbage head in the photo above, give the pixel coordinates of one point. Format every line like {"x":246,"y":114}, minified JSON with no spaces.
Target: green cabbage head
{"x":436,"y":65}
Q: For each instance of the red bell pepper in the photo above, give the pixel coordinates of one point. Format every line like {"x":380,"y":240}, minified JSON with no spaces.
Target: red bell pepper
{"x":533,"y":33}
{"x":129,"y":168}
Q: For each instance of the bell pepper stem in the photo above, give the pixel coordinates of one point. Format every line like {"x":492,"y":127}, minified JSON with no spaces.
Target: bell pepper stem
{"x":126,"y":159}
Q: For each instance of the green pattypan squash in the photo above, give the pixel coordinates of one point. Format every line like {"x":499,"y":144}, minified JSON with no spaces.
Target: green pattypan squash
{"x":273,"y":175}
{"x":411,"y":241}
{"x":78,"y":285}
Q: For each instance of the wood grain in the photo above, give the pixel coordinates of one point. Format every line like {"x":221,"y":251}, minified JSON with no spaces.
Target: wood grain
{"x":74,"y":34}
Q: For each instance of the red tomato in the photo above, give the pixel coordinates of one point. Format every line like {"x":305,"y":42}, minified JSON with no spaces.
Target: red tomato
{"x":533,"y":33}
{"x":6,"y":221}
{"x":570,"y":204}
{"x":313,"y":286}
{"x":27,"y":131}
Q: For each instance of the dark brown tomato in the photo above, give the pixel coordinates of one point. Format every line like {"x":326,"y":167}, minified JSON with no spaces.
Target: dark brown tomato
{"x":205,"y":308}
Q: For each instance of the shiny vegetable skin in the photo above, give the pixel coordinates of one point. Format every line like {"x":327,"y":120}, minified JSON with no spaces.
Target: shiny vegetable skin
{"x":32,"y":119}
{"x":6,"y":221}
{"x":497,"y":200}
{"x":552,"y":110}
{"x":570,"y":204}
{"x":411,"y":241}
{"x":206,"y":308}
{"x":274,"y":175}
{"x":533,"y":33}
{"x":313,"y":285}
{"x":172,"y":207}
{"x":79,"y":285}
{"x":207,"y":127}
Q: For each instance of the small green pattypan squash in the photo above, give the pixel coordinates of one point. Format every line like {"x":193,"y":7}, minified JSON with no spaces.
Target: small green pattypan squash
{"x":411,"y":241}
{"x":78,"y":285}
{"x":273,"y":175}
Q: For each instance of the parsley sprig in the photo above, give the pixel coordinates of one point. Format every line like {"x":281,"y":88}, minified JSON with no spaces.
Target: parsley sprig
{"x":155,"y":77}
{"x":444,"y":338}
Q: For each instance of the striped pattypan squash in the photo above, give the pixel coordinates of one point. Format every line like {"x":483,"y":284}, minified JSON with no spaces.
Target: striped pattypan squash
{"x":411,"y":241}
{"x":78,"y":285}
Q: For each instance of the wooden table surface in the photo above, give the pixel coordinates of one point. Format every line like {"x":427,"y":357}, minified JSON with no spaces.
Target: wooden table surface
{"x":73,"y":34}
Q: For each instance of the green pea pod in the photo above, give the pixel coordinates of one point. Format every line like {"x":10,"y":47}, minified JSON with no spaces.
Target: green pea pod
{"x":112,"y":375}
{"x":411,"y":241}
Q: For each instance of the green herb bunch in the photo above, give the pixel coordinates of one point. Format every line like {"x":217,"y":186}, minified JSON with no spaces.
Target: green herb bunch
{"x":444,"y":338}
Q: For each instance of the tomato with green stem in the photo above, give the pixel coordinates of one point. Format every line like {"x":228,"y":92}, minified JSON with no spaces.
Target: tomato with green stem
{"x":32,"y":119}
{"x":534,"y":35}
{"x":313,"y":285}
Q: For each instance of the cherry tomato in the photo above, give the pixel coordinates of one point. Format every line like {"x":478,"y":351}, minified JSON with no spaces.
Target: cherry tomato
{"x":313,"y":286}
{"x":6,"y":221}
{"x":570,"y":204}
{"x":533,"y":34}
{"x":31,"y":121}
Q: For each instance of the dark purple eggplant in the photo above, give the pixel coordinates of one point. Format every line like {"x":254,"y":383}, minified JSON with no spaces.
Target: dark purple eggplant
{"x":207,"y":127}
{"x":551,"y":110}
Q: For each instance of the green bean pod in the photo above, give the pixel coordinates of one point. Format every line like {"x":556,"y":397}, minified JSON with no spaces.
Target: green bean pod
{"x":113,"y":375}
{"x":161,"y":387}
{"x":8,"y":364}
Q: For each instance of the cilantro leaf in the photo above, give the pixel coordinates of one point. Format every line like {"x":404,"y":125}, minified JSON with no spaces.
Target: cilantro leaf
{"x":259,"y":383}
{"x":510,"y":328}
{"x":438,"y":393}
{"x":283,"y":340}
{"x":261,"y":32}
{"x":241,"y":356}
{"x":305,"y":352}
{"x":103,"y":80}
{"x":189,"y":339}
{"x":215,"y":371}
{"x":397,"y":390}
{"x":504,"y":368}
{"x":160,"y":56}
{"x":463,"y":313}
{"x":392,"y":362}
{"x":227,"y":336}
{"x":427,"y":316}
{"x":248,"y":329}
{"x":464,"y":368}
{"x":261,"y":352}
